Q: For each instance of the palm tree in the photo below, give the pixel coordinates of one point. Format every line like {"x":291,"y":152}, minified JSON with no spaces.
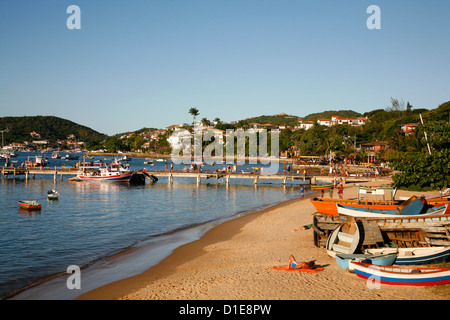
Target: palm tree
{"x":206,"y":122}
{"x":194,"y":112}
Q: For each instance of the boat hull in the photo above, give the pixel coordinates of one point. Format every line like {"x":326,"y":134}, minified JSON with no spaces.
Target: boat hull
{"x":403,"y":276}
{"x":343,"y":260}
{"x":328,"y":206}
{"x":344,"y":239}
{"x":361,"y":213}
{"x":29,"y":205}
{"x":322,"y":187}
{"x":415,"y":256}
{"x":119,"y":177}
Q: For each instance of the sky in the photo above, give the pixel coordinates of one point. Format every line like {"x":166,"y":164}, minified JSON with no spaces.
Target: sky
{"x":145,"y":63}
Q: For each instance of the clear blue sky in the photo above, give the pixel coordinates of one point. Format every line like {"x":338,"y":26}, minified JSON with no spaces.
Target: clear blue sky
{"x":144,"y":63}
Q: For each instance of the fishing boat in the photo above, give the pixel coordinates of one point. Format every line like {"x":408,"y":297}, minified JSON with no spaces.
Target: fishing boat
{"x":105,"y":172}
{"x":36,"y":161}
{"x":56,"y":155}
{"x":369,"y":213}
{"x":419,"y":255}
{"x":70,"y":156}
{"x":344,"y":239}
{"x":328,"y":206}
{"x":412,"y":206}
{"x":406,"y":276}
{"x":322,"y":187}
{"x":29,"y":205}
{"x":343,"y":260}
{"x":125,"y":158}
{"x":53,"y":194}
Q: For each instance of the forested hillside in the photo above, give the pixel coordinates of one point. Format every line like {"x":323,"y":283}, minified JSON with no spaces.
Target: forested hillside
{"x":48,"y":127}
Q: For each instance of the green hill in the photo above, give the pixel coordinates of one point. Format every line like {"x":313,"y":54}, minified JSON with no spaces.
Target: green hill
{"x":329,"y":114}
{"x":48,"y":127}
{"x":276,"y":120}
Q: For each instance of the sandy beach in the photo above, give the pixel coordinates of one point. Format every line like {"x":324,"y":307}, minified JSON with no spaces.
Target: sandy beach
{"x":233,"y":261}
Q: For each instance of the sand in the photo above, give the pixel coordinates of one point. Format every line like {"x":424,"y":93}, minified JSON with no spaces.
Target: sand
{"x":233,"y":261}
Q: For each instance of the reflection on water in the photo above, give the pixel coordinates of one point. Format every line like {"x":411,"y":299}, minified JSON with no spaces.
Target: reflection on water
{"x":93,"y":220}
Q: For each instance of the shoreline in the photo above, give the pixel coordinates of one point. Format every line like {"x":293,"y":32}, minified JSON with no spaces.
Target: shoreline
{"x":232,"y":262}
{"x":186,"y":252}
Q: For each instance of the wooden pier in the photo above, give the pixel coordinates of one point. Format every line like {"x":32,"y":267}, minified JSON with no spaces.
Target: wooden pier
{"x":255,"y":177}
{"x":283,"y":177}
{"x":55,"y":171}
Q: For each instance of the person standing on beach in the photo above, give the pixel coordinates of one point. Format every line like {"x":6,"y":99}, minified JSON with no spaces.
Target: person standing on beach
{"x":331,"y":193}
{"x":341,"y":192}
{"x":302,"y":191}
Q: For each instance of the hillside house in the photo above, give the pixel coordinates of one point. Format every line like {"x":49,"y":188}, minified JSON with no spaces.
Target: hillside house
{"x":373,"y":149}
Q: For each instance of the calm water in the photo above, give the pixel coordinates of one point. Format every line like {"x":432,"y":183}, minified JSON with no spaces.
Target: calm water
{"x":92,"y":221}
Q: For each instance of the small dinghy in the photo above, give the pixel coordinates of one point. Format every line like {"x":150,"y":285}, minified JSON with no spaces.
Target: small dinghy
{"x":29,"y":205}
{"x":343,"y":260}
{"x":53,"y":194}
{"x":420,"y":255}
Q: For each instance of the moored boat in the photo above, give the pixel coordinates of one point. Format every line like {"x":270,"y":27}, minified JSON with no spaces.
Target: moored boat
{"x":409,"y":276}
{"x":29,"y":205}
{"x":419,"y":255}
{"x":112,"y":172}
{"x":322,"y":187}
{"x":53,"y":194}
{"x":36,"y":161}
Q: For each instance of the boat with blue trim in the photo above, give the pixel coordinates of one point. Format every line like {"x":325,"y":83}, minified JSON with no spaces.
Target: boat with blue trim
{"x":406,"y":276}
{"x":417,"y":255}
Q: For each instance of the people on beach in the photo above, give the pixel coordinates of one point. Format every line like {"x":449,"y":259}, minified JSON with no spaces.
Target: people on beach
{"x":305,"y":227}
{"x":293,"y":264}
{"x":341,"y":192}
{"x":302,"y":191}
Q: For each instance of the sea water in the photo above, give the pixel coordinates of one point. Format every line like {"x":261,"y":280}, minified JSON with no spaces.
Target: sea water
{"x":92,"y":222}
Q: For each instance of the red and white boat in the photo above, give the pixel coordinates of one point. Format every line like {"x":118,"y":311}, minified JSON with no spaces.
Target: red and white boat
{"x":29,"y":205}
{"x":104,"y":172}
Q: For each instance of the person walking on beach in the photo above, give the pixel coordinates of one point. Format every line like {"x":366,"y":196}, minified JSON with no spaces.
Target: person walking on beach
{"x":341,"y":192}
{"x":302,"y":191}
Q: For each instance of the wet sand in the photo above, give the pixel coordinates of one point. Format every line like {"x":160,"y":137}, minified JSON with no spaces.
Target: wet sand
{"x":233,"y":260}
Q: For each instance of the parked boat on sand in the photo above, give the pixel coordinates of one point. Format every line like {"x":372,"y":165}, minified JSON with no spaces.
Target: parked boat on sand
{"x":418,"y":255}
{"x":343,"y":260}
{"x":328,"y":206}
{"x":378,"y":213}
{"x":344,"y":239}
{"x":409,"y":276}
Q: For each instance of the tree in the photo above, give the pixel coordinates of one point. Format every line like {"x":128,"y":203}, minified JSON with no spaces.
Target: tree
{"x":206,"y":122}
{"x":194,"y":112}
{"x":421,"y":170}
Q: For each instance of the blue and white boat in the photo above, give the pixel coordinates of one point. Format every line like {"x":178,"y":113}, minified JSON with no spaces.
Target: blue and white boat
{"x":420,"y":255}
{"x":343,"y":260}
{"x":404,"y":276}
{"x":414,"y":210}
